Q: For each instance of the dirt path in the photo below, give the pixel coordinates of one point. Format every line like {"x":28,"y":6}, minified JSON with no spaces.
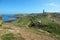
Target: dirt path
{"x":27,"y":33}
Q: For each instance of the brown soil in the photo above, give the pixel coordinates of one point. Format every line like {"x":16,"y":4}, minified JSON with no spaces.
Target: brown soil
{"x":26,"y":33}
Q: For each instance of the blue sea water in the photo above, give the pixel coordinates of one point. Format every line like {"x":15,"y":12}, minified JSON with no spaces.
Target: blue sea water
{"x":7,"y":18}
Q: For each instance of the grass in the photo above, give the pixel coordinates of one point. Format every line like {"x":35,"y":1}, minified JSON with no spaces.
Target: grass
{"x":7,"y":27}
{"x":22,"y":22}
{"x":11,"y":36}
{"x":0,"y":25}
{"x":52,"y":27}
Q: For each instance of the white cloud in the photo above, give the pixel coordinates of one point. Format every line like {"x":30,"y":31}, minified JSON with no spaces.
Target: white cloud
{"x":52,"y":4}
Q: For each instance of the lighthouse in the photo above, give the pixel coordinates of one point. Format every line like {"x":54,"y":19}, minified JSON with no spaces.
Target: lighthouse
{"x":43,"y":11}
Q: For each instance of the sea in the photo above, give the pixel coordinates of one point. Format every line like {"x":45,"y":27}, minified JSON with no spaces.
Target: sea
{"x":7,"y":17}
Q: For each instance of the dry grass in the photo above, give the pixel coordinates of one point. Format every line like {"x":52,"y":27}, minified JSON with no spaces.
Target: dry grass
{"x":25,"y":33}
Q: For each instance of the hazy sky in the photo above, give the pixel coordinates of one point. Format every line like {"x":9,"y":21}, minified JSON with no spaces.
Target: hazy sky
{"x":29,"y":6}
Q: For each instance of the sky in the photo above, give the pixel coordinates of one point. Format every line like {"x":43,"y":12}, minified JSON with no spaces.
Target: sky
{"x":28,"y":6}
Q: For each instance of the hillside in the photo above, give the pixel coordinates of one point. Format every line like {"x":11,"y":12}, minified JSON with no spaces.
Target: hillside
{"x":21,"y":33}
{"x":31,"y":27}
{"x":52,"y":25}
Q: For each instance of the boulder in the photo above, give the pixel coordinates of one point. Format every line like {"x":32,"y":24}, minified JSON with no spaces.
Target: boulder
{"x":37,"y":24}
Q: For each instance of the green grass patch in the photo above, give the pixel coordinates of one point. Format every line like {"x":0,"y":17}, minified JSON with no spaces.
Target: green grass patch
{"x":7,"y":27}
{"x":11,"y":36}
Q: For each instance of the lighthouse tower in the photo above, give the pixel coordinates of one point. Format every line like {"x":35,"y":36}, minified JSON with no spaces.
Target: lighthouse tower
{"x":43,"y":11}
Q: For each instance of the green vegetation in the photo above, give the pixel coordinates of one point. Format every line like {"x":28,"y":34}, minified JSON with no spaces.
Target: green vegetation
{"x":51,"y":26}
{"x":0,"y":17}
{"x":46,"y":25}
{"x":7,"y":27}
{"x":11,"y":36}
